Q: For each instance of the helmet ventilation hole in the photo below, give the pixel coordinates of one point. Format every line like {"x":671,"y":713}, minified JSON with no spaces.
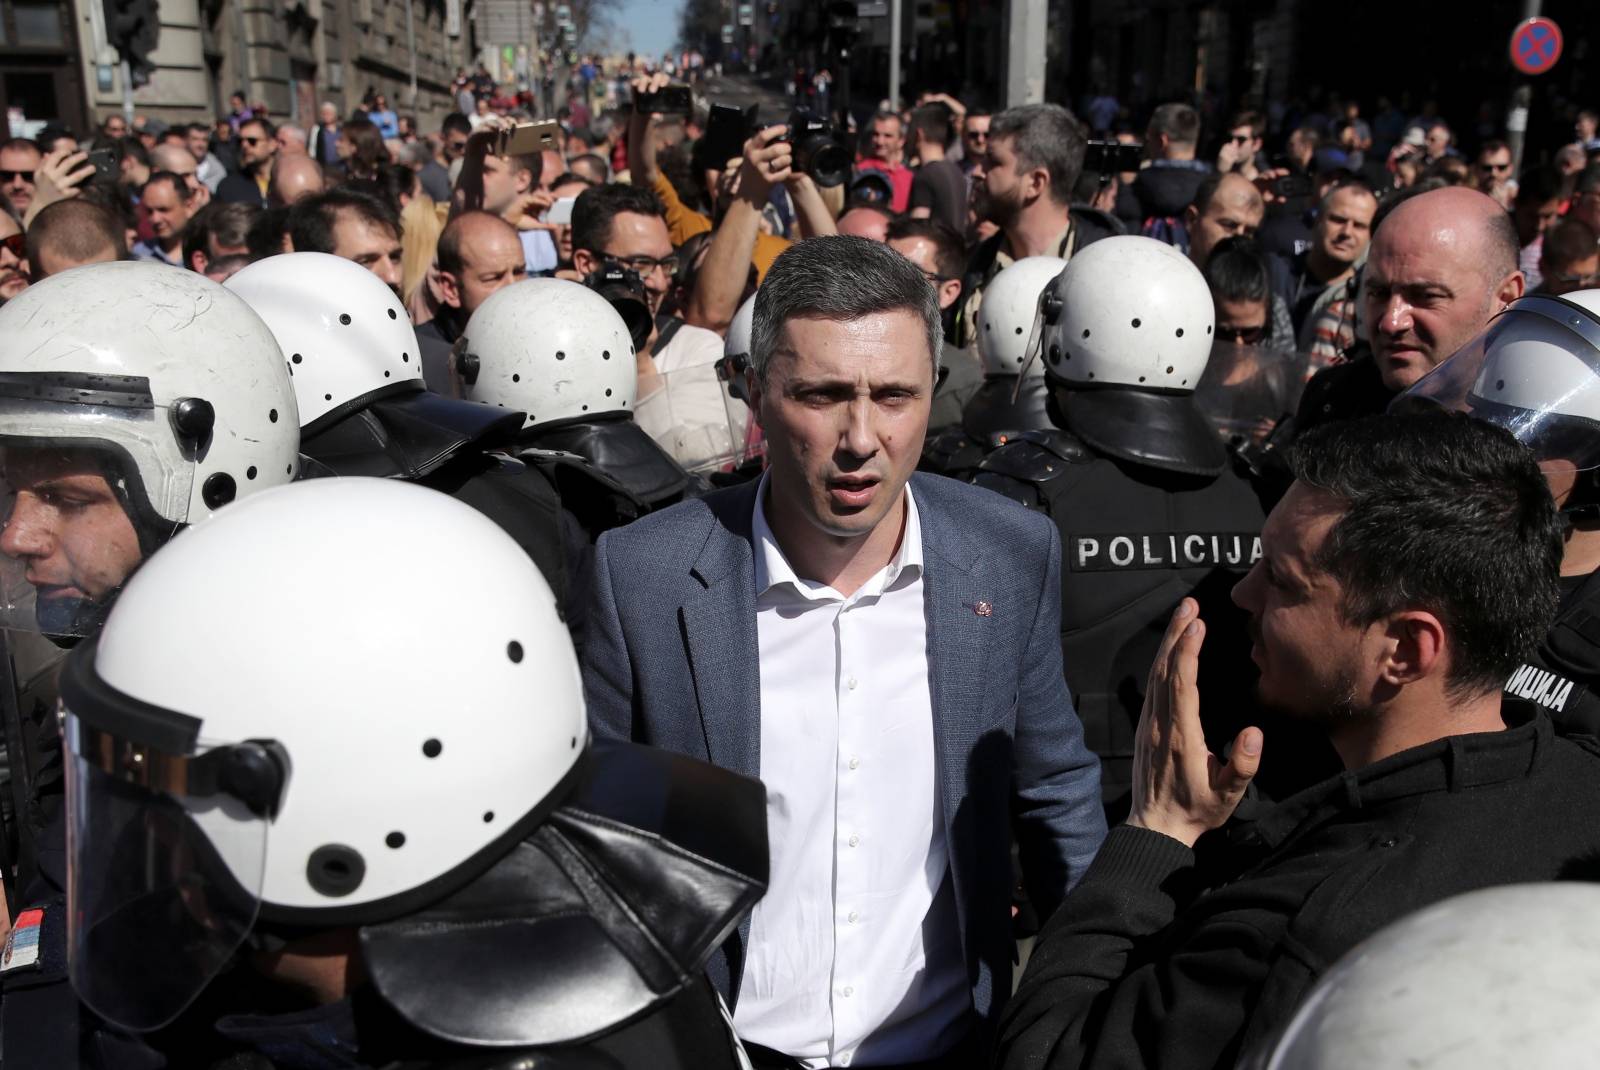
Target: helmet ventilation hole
{"x":327,"y":397}
{"x":1019,"y":330}
{"x":386,"y":373}
{"x":560,"y":355}
{"x":1499,"y":384}
{"x":395,"y":840}
{"x":432,"y":748}
{"x":1136,"y":323}
{"x":1086,"y":332}
{"x":1180,"y":332}
{"x":1169,"y":369}
{"x":296,"y":358}
{"x":272,"y":415}
{"x":344,"y":318}
{"x":1141,"y":378}
{"x":605,"y":354}
{"x":608,"y":391}
{"x":516,"y":378}
{"x":405,"y":358}
{"x":514,"y":652}
{"x":1208,"y":328}
{"x":335,"y":870}
{"x":488,"y":816}
{"x":392,"y":314}
{"x":250,"y":473}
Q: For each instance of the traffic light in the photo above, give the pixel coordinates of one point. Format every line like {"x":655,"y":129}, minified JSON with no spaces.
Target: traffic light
{"x":133,"y":28}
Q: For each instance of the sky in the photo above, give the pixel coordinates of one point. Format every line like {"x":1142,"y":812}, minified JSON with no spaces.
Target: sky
{"x":650,"y":26}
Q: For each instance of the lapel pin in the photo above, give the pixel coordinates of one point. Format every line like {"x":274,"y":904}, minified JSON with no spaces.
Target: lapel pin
{"x":983,"y":609}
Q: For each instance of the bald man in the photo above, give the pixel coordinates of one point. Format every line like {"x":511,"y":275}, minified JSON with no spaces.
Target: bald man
{"x":1225,"y":206}
{"x":479,"y":253}
{"x":1442,"y":264}
{"x":71,"y":233}
{"x":866,"y":221}
{"x":294,"y":177}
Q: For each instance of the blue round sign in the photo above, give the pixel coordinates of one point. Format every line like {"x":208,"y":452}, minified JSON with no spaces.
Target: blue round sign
{"x":1535,"y":45}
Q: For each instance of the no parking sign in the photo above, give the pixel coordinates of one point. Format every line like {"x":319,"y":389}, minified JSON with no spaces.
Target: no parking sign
{"x":1535,"y":45}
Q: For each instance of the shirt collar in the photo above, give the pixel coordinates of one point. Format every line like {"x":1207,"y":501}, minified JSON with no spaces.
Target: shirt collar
{"x":773,"y":568}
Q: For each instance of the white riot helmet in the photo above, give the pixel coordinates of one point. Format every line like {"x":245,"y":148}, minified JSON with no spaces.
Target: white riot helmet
{"x":1006,"y":314}
{"x":159,"y":380}
{"x":1124,"y":333}
{"x":553,"y":349}
{"x":312,"y":768}
{"x":1534,"y":370}
{"x":737,"y":344}
{"x":356,"y":367}
{"x":344,"y":334}
{"x":1493,"y":978}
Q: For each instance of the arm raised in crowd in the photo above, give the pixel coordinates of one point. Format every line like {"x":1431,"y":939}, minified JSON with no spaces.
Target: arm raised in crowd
{"x":813,"y":218}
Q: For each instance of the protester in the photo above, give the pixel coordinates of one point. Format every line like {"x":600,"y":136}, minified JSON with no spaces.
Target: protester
{"x":356,"y":226}
{"x":257,"y":150}
{"x":839,"y":535}
{"x":1326,"y":272}
{"x":1225,"y":206}
{"x":170,"y":203}
{"x":938,"y":189}
{"x":294,"y":177}
{"x":479,"y":253}
{"x":1408,"y":572}
{"x":216,"y":232}
{"x":19,"y":159}
{"x":1168,"y":186}
{"x":71,"y":233}
{"x":323,"y":141}
{"x":1569,"y":259}
{"x":1540,"y":199}
{"x":13,"y":258}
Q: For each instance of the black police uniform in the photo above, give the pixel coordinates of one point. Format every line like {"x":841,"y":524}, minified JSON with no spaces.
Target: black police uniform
{"x":1563,"y":675}
{"x":607,"y":471}
{"x":1344,"y":391}
{"x":1150,"y":511}
{"x":994,"y":413}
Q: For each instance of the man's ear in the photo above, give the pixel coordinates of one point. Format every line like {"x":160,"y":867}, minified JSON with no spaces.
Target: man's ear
{"x":949,"y":292}
{"x":1414,"y":647}
{"x":1191,"y":216}
{"x":752,"y":390}
{"x":584,"y":262}
{"x":525,"y":180}
{"x":449,"y":289}
{"x":1511,"y":287}
{"x":199,"y":261}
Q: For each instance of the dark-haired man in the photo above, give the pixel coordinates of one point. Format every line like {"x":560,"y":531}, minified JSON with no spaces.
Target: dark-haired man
{"x":19,"y":159}
{"x":1409,"y":570}
{"x":257,"y":149}
{"x":1325,"y":272}
{"x":1165,"y":188}
{"x":216,"y":232}
{"x":350,"y":224}
{"x":478,"y":255}
{"x":936,"y":250}
{"x":1225,"y":206}
{"x":71,"y":233}
{"x":1570,"y":259}
{"x":1024,"y":186}
{"x":170,"y":203}
{"x":881,"y":649}
{"x":938,"y":189}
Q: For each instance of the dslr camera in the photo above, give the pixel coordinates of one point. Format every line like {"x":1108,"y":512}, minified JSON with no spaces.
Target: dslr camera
{"x":624,"y":289}
{"x":819,"y":150}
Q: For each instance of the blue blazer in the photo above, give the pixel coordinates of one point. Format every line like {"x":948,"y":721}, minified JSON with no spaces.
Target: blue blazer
{"x":672,"y":659}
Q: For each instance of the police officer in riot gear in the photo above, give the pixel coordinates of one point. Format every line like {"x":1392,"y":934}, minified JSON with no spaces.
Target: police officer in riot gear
{"x":1012,"y":395}
{"x":1535,"y":370}
{"x":134,"y":401}
{"x":560,"y":353}
{"x":353,"y":358}
{"x":1141,"y":488}
{"x":302,"y":862}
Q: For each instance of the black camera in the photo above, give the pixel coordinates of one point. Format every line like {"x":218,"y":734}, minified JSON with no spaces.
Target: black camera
{"x":819,"y":150}
{"x":668,"y":100}
{"x":1107,"y":158}
{"x":624,"y":289}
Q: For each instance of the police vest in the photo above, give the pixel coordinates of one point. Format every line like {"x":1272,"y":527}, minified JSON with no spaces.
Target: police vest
{"x":1563,"y":673}
{"x":1135,"y":541}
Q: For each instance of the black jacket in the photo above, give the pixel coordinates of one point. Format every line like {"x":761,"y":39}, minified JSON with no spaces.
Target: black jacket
{"x":1163,"y":190}
{"x":1178,"y":958}
{"x":240,"y":188}
{"x":1343,"y":392}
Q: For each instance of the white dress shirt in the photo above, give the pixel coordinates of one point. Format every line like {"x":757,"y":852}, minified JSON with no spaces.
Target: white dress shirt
{"x":854,"y":953}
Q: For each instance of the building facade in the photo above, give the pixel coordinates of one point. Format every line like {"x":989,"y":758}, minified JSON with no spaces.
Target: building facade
{"x":289,"y":55}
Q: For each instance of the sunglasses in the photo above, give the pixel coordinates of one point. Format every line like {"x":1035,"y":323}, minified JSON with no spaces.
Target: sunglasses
{"x":251,"y":140}
{"x":1488,"y":166}
{"x":1244,"y":336}
{"x":1241,"y":139}
{"x":7,"y":177}
{"x":16,"y":245}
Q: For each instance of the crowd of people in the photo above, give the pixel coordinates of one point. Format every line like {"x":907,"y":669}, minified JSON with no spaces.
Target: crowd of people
{"x":654,"y":588}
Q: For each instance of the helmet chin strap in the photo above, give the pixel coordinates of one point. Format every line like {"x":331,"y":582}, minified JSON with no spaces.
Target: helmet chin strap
{"x":66,"y":621}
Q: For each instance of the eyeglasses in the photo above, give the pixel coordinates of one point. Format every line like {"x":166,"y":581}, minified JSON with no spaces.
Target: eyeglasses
{"x":936,"y":278}
{"x":7,"y":177}
{"x":16,"y":245}
{"x":1244,"y":336}
{"x":644,"y":265}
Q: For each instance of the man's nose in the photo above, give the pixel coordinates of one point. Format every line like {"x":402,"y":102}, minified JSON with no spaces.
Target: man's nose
{"x":25,"y":532}
{"x":1396,"y":318}
{"x":387,"y":270}
{"x":860,"y":433}
{"x":1243,"y":592}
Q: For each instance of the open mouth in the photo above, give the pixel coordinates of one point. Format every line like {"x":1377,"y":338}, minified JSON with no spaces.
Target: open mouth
{"x":852,"y":492}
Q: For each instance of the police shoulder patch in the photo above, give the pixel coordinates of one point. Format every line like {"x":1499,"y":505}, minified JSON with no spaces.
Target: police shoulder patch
{"x":1117,"y":552}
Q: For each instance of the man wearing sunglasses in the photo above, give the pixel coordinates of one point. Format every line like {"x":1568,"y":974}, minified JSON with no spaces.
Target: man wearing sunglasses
{"x":257,"y":150}
{"x":1570,"y":259}
{"x":13,"y":258}
{"x":19,"y":159}
{"x":1492,"y":173}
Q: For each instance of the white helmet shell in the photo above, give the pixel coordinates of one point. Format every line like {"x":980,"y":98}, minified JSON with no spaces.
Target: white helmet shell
{"x":553,"y":349}
{"x":1493,"y":978}
{"x":180,"y":337}
{"x":737,"y":343}
{"x":1006,"y":314}
{"x":412,"y":771}
{"x":1534,"y":370}
{"x":1130,"y":311}
{"x":345,"y":336}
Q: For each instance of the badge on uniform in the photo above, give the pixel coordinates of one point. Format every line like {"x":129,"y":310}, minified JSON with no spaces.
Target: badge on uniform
{"x":22,"y":943}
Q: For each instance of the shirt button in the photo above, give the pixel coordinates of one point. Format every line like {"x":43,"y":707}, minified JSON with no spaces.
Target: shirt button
{"x":855,"y":763}
{"x":852,"y":917}
{"x":848,"y":991}
{"x":855,"y":841}
{"x":851,"y":683}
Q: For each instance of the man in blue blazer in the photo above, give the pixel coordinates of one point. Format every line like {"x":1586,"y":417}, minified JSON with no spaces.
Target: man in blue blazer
{"x":883,"y":651}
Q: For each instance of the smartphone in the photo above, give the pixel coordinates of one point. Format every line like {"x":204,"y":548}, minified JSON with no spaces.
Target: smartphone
{"x":106,"y":163}
{"x":1112,"y":157}
{"x":527,"y":138}
{"x":668,"y":100}
{"x":561,"y":211}
{"x":1292,"y":186}
{"x":727,"y":129}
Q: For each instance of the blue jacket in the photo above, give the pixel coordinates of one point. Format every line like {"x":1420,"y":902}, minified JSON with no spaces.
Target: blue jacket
{"x":672,"y":660}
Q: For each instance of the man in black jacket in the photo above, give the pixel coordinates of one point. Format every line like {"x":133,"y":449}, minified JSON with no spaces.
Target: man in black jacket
{"x":1410,"y":567}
